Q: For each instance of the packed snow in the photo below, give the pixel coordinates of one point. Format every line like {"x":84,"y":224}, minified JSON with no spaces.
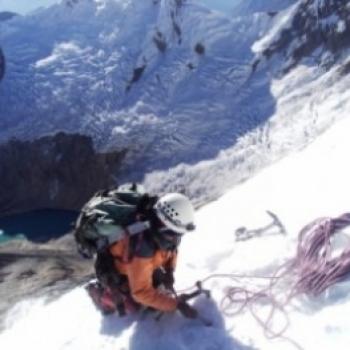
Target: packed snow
{"x":309,"y":184}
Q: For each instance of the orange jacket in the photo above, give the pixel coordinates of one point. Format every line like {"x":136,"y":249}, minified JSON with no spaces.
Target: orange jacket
{"x":140,"y":272}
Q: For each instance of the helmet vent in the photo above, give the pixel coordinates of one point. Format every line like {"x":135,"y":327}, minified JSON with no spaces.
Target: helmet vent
{"x":175,"y":211}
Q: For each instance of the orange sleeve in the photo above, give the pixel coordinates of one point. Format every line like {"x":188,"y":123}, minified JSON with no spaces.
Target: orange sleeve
{"x":140,"y":271}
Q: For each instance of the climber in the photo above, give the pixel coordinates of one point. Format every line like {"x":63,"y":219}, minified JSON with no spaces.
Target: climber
{"x":137,"y":272}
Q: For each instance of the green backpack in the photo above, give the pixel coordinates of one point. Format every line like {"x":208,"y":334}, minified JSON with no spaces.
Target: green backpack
{"x":108,"y":217}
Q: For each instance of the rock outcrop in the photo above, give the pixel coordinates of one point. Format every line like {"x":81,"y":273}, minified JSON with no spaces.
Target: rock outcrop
{"x":29,"y":270}
{"x":319,"y":30}
{"x":60,"y":171}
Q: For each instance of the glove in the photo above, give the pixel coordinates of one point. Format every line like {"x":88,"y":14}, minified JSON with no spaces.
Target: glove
{"x":186,"y":310}
{"x":166,"y":278}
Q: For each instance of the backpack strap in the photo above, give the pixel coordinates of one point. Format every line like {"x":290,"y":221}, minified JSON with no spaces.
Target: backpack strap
{"x":126,"y":254}
{"x":129,"y":231}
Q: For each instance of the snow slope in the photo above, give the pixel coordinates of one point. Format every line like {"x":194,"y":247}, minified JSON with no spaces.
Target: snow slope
{"x":306,"y":185}
{"x":308,"y":102}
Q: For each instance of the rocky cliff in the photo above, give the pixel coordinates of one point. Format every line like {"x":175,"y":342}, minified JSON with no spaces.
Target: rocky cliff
{"x":30,"y":270}
{"x":60,"y":171}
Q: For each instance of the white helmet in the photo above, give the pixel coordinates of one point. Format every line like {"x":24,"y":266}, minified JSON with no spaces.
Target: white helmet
{"x":176,"y":212}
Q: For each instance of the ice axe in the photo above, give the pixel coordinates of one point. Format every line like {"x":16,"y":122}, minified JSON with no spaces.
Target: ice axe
{"x":186,"y":297}
{"x":200,"y":290}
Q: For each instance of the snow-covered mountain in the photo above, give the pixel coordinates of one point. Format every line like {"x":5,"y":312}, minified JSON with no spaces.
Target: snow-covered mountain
{"x":307,"y":185}
{"x":302,"y":79}
{"x":172,"y":81}
{"x":129,"y":74}
{"x":200,"y":96}
{"x":318,"y":33}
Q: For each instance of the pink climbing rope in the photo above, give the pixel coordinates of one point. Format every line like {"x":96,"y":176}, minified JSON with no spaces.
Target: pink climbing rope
{"x":312,"y":271}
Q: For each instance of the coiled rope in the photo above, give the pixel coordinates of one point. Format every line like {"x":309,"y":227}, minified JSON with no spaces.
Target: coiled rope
{"x":310,"y":272}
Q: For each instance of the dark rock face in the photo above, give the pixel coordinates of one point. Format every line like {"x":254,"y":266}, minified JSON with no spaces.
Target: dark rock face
{"x":137,"y":74}
{"x":60,"y":171}
{"x":30,"y":270}
{"x":200,"y":49}
{"x":160,"y":42}
{"x":316,"y":24}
